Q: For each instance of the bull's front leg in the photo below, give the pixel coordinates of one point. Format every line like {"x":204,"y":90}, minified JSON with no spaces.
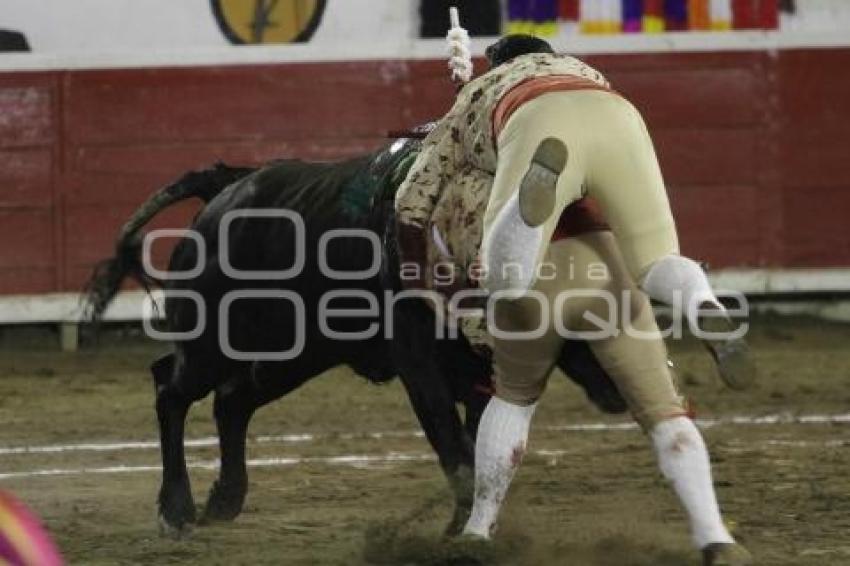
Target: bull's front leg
{"x":430,"y":393}
{"x":579,"y":363}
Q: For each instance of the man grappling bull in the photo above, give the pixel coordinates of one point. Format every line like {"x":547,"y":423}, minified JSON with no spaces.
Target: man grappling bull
{"x":537,"y":133}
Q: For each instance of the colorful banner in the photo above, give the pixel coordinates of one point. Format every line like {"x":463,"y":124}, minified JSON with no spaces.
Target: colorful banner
{"x":721,"y":15}
{"x":568,"y":10}
{"x":632,"y":16}
{"x":534,"y":17}
{"x":676,"y":15}
{"x":653,"y":16}
{"x":755,"y":14}
{"x":542,"y":17}
{"x":699,"y":17}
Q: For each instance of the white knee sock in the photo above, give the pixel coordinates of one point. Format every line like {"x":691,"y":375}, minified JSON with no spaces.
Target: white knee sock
{"x":683,"y":459}
{"x":675,"y":278}
{"x":499,"y":448}
{"x":510,"y":251}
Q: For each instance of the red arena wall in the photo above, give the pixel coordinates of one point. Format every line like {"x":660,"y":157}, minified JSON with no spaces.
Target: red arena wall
{"x":753,"y":145}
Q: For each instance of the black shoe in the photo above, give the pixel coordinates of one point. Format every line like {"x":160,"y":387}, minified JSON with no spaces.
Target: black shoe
{"x":726,"y":554}
{"x":732,"y":356}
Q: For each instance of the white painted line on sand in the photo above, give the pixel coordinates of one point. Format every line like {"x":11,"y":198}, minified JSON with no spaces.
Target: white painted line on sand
{"x":145,"y":445}
{"x":353,"y":460}
{"x":740,"y":420}
{"x":363,"y":461}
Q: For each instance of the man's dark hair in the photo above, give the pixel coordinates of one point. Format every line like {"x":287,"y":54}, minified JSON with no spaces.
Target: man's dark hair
{"x":512,"y":46}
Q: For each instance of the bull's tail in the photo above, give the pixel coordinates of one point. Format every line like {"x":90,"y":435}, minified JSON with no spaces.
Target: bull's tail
{"x":109,"y":274}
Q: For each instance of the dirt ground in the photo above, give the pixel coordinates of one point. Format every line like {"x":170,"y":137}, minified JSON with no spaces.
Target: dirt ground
{"x":583,"y":497}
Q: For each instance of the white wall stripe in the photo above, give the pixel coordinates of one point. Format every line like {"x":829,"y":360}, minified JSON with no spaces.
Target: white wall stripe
{"x":414,"y":49}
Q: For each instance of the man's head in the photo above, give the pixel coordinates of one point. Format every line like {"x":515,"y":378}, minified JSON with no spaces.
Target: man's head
{"x":512,"y":46}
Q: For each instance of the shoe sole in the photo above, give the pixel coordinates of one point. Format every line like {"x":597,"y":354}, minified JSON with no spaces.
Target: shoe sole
{"x":733,"y":359}
{"x":538,"y":187}
{"x":726,"y":555}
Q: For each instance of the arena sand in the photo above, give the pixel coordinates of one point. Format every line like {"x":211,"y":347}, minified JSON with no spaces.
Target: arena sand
{"x":583,"y":498}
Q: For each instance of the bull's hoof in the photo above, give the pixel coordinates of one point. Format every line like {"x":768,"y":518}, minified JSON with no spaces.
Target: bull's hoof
{"x":455,"y":526}
{"x":462,"y":482}
{"x":176,"y":512}
{"x":174,"y":531}
{"x":225,"y":502}
{"x":471,"y":550}
{"x":734,"y":361}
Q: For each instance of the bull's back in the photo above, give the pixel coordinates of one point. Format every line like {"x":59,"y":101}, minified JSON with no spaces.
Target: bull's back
{"x":275,"y":218}
{"x":264,"y":238}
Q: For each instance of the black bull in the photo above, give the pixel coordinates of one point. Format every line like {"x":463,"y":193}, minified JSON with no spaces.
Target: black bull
{"x":436,"y":373}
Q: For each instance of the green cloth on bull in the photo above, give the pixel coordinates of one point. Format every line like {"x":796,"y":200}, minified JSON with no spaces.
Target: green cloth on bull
{"x":379,"y":180}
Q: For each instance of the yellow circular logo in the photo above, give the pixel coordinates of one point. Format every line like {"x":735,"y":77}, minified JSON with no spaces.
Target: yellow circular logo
{"x":268,"y":21}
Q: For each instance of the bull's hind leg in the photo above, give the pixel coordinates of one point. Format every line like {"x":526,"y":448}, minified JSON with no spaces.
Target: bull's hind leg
{"x":176,"y":506}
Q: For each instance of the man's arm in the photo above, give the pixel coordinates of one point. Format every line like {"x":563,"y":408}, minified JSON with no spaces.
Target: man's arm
{"x":420,"y":192}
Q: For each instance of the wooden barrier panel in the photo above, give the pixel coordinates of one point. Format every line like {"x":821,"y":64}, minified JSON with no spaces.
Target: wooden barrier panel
{"x":753,"y":146}
{"x":30,"y":231}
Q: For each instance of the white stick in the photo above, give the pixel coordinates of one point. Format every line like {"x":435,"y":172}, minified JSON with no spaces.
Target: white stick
{"x":454,"y":17}
{"x":460,"y":62}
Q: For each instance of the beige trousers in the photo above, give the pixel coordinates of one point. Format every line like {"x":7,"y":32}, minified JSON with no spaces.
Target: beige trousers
{"x":610,"y":157}
{"x":630,"y":349}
